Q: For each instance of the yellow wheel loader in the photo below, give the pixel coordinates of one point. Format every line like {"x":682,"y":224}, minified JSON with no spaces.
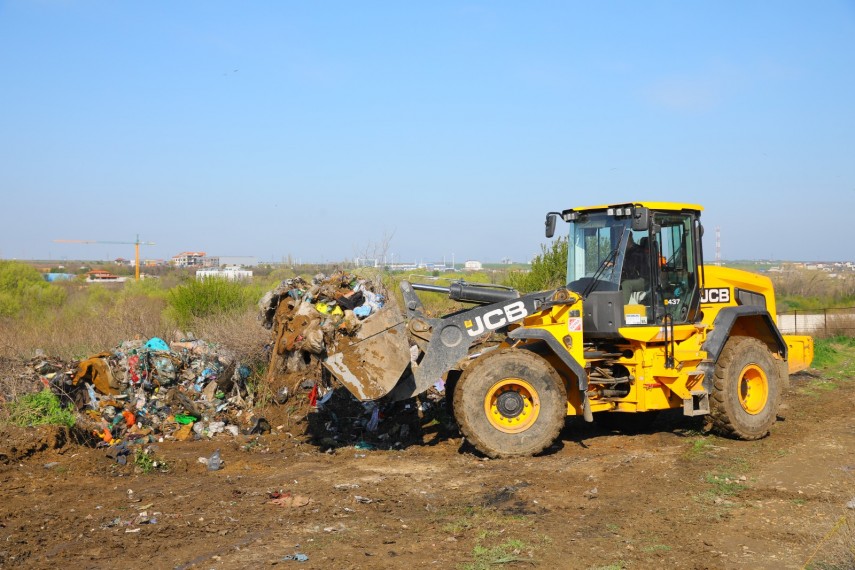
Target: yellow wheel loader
{"x":641,"y":326}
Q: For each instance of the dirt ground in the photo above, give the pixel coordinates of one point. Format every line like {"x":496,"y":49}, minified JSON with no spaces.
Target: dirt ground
{"x":671,"y":497}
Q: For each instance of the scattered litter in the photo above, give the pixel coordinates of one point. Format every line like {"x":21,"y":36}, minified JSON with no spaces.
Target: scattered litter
{"x":282,"y":395}
{"x":851,"y":504}
{"x":288,"y":500}
{"x":363,"y":500}
{"x":338,"y":528}
{"x":119,"y":453}
{"x":259,"y":426}
{"x":215,"y":463}
{"x":591,"y":493}
{"x":297,"y":557}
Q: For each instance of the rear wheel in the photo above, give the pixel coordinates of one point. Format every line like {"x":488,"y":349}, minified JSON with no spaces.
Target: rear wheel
{"x":747,"y":389}
{"x":510,"y":403}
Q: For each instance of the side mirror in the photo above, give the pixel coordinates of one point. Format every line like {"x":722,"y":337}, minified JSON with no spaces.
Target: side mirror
{"x":550,"y":225}
{"x":640,"y":219}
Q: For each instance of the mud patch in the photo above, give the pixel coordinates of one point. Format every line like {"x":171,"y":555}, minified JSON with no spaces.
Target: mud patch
{"x":17,"y":444}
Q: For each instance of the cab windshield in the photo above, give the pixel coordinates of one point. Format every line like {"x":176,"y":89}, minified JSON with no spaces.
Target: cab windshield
{"x":654,"y":271}
{"x":596,"y":252}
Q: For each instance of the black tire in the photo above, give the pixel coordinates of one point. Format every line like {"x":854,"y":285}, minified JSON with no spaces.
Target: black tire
{"x":527,"y":397}
{"x":746,"y":391}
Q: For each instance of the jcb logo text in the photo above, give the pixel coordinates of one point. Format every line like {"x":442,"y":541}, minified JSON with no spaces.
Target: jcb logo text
{"x":721,"y":295}
{"x":496,"y":318}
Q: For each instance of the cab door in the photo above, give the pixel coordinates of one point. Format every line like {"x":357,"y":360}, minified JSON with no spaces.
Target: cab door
{"x":675,"y":258}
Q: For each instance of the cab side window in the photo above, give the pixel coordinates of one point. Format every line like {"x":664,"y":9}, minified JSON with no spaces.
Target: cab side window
{"x":677,"y":267}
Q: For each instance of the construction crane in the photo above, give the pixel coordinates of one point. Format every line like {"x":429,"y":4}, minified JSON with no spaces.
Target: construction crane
{"x":136,"y":245}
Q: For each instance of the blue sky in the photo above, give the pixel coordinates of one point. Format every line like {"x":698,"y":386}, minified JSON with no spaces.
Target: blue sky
{"x":328,"y":130}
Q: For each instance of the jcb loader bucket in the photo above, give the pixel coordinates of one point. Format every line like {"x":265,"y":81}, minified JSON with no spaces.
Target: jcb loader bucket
{"x":376,"y":358}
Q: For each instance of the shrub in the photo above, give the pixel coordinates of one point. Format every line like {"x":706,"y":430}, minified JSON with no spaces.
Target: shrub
{"x":548,"y":270}
{"x":200,"y":299}
{"x":22,"y":288}
{"x":40,"y":408}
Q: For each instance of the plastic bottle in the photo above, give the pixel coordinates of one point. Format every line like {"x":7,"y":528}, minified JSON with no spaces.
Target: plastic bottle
{"x":214,"y":462}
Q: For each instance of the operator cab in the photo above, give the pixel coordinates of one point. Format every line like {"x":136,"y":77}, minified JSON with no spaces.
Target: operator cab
{"x":634,"y":264}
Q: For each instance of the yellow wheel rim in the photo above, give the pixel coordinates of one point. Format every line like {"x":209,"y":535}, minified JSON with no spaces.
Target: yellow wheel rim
{"x":753,"y":389}
{"x":512,"y":405}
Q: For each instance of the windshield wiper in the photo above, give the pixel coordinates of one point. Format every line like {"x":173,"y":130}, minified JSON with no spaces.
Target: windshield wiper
{"x":602,"y":268}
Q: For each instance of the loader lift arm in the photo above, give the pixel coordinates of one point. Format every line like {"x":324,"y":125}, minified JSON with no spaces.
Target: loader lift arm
{"x":378,"y":364}
{"x":446,"y":341}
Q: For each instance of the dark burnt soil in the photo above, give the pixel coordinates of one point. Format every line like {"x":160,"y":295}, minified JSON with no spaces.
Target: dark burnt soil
{"x":670,"y":497}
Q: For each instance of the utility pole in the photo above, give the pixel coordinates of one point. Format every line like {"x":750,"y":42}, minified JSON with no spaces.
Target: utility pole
{"x":718,"y":245}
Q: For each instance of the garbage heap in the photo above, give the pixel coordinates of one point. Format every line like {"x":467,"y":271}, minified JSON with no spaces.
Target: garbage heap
{"x":307,"y":319}
{"x":307,"y":322}
{"x":148,"y":390}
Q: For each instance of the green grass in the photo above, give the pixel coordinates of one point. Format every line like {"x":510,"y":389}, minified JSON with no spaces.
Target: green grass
{"x":829,"y":351}
{"x":40,"y":408}
{"x":835,"y":358}
{"x":458,"y":526}
{"x":724,"y":484}
{"x":700,"y":447}
{"x":506,"y":553}
{"x":656,"y":548}
{"x":147,"y":462}
{"x":835,"y":355}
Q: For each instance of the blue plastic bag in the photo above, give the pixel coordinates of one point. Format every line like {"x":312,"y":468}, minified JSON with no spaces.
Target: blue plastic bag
{"x":155,"y":343}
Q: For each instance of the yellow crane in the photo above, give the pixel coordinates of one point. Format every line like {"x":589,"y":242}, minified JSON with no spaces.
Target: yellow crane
{"x":136,"y":245}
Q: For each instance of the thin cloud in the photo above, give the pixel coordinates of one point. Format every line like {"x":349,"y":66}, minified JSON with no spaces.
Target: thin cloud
{"x":687,"y":94}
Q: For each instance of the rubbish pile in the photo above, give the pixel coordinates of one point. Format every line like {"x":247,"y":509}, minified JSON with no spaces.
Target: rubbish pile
{"x":308,"y":318}
{"x":150,"y":390}
{"x":308,"y":322}
{"x":144,"y":391}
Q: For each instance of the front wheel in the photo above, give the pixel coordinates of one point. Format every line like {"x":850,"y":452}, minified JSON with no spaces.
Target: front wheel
{"x":510,"y":403}
{"x":747,"y":389}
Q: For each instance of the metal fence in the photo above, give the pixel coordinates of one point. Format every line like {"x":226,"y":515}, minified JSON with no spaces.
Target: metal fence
{"x":821,"y":322}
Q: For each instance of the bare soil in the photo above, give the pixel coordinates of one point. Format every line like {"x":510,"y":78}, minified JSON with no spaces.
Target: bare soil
{"x":671,"y":497}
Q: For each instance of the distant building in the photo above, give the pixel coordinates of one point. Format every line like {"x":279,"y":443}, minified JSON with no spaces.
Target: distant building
{"x":51,"y":277}
{"x":230,"y":260}
{"x":101,"y":276}
{"x":231,"y":273}
{"x":189,"y":259}
{"x":366,"y":262}
{"x":472,"y":265}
